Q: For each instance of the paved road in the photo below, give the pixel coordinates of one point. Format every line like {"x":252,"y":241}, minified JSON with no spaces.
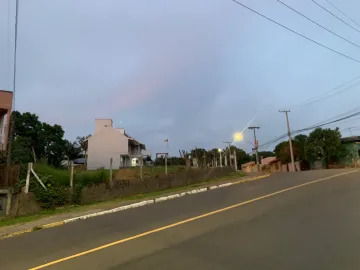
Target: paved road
{"x":314,"y":226}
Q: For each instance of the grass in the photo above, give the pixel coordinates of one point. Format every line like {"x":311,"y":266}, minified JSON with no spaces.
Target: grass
{"x":62,"y":176}
{"x":72,"y":208}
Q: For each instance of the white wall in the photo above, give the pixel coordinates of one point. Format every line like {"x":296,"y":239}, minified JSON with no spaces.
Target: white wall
{"x":105,"y":144}
{"x":102,"y":123}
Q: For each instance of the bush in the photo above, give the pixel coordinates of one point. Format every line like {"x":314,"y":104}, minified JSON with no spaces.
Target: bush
{"x":55,"y":195}
{"x":59,"y":176}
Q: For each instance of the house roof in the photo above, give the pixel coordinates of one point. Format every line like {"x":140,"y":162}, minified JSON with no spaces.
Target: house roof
{"x":251,"y":163}
{"x":268,"y":160}
{"x":350,"y":139}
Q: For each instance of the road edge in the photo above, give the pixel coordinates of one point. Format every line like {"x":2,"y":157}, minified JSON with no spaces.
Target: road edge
{"x":133,"y":205}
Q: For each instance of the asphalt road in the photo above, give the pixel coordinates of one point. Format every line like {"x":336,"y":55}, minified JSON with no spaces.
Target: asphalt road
{"x":314,"y":226}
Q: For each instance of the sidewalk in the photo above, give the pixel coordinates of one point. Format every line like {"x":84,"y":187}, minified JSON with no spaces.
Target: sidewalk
{"x":60,"y":216}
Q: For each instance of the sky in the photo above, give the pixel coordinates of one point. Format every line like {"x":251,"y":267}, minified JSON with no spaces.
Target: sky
{"x":192,"y":72}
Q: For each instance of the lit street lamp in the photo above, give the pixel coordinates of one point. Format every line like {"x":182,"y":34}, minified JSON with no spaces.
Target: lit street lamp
{"x":238,"y":136}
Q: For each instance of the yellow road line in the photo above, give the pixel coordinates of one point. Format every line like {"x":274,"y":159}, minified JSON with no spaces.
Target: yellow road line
{"x":185,"y":221}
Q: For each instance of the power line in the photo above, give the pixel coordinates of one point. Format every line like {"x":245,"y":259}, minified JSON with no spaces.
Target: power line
{"x":329,"y":91}
{"x":340,"y":91}
{"x":332,"y":120}
{"x":328,"y":11}
{"x":321,"y":26}
{"x":297,"y":33}
{"x":342,"y":13}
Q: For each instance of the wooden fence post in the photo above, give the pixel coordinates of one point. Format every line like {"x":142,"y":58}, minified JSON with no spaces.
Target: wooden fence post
{"x":166,"y":168}
{"x":110,"y":173}
{"x":27,"y":185}
{"x":8,"y":202}
{"x":71,"y":174}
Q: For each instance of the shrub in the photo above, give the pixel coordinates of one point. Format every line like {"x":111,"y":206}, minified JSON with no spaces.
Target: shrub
{"x":55,"y":194}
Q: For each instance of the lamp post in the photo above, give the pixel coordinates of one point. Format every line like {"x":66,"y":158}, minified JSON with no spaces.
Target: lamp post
{"x":238,"y":137}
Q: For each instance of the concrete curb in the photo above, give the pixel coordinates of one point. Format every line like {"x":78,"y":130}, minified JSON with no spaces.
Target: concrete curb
{"x":133,"y":205}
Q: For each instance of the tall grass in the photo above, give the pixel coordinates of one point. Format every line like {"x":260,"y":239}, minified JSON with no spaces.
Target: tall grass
{"x":62,"y":176}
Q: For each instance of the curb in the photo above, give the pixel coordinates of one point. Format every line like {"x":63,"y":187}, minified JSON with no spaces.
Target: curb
{"x":133,"y":205}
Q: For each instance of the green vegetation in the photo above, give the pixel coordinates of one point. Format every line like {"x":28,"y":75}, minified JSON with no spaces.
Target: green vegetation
{"x":321,"y":144}
{"x":115,"y":202}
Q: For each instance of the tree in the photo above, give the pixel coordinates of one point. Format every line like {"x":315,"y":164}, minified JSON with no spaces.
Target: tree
{"x":83,"y":143}
{"x":265,"y":154}
{"x":72,"y":150}
{"x":201,"y":155}
{"x":282,"y":151}
{"x":324,"y":144}
{"x":42,"y":140}
{"x":300,"y":142}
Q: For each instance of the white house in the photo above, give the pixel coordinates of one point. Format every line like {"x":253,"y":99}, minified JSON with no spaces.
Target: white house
{"x":109,"y":142}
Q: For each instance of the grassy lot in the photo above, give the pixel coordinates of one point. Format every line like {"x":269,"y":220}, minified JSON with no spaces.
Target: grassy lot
{"x":114,"y":203}
{"x":62,"y":176}
{"x":150,"y":171}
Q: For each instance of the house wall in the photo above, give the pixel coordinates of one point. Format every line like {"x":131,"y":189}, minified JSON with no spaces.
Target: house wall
{"x":107,"y":143}
{"x":100,"y":124}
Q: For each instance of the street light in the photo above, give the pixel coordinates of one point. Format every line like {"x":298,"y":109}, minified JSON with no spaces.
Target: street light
{"x":220,"y":150}
{"x":238,"y":136}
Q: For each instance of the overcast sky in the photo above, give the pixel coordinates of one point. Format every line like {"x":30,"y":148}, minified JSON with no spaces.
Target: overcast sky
{"x":193,"y":72}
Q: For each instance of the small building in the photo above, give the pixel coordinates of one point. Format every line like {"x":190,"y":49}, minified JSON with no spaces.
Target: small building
{"x":268,"y":160}
{"x":109,"y":142}
{"x":6,"y":98}
{"x":249,"y":167}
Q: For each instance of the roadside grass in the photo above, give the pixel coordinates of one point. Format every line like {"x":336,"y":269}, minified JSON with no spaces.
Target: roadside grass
{"x":62,"y":176}
{"x":79,"y":208}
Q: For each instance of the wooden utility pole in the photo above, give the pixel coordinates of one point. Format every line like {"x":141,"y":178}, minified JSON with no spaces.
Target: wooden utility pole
{"x":290,"y":141}
{"x":258,"y":166}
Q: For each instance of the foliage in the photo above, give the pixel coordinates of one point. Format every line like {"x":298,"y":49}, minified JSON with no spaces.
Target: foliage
{"x":21,"y":150}
{"x":35,"y":140}
{"x":82,"y":142}
{"x":265,"y":154}
{"x":324,"y":144}
{"x":55,"y":194}
{"x":201,"y":155}
{"x":60,"y":176}
{"x":300,"y":142}
{"x":282,"y":151}
{"x":72,"y":150}
{"x":206,"y":157}
{"x":171,"y":161}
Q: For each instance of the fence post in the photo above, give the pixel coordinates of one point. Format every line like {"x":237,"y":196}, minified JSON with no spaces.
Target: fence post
{"x":110,"y":173}
{"x":141,"y":168}
{"x":28,"y":178}
{"x":8,"y":202}
{"x":71,"y":174}
{"x":166,"y":172}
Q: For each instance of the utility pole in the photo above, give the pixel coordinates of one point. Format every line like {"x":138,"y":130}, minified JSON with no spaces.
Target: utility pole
{"x":256,"y":148}
{"x":229,"y":144}
{"x":290,"y":142}
{"x":12,"y":116}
